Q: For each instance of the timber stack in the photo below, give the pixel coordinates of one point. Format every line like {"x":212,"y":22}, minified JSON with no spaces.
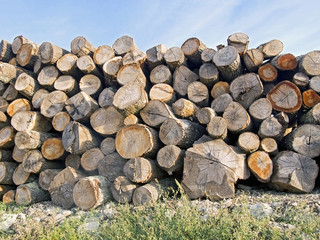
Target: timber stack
{"x":95,"y":124}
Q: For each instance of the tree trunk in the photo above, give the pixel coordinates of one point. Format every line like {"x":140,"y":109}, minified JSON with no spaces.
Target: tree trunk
{"x":60,"y":121}
{"x":259,"y":110}
{"x":123,"y":45}
{"x":30,"y":121}
{"x":91,"y":85}
{"x":182,"y":77}
{"x":161,"y":74}
{"x":284,"y":62}
{"x":163,"y":92}
{"x":20,"y":176}
{"x":294,"y":172}
{"x":38,"y":97}
{"x":108,"y":146}
{"x":53,"y":103}
{"x":67,"y":64}
{"x":90,"y":159}
{"x":219,"y":89}
{"x":240,"y":41}
{"x":74,"y":161}
{"x":252,"y":59}
{"x":209,"y":74}
{"x":248,"y":142}
{"x":174,"y":58}
{"x":260,"y":165}
{"x":217,"y":128}
{"x":47,"y":76}
{"x":192,"y":49}
{"x":269,"y":145}
{"x":106,"y":97}
{"x":179,"y":132}
{"x":220,"y":103}
{"x":67,"y":84}
{"x":62,"y":186}
{"x":310,"y":98}
{"x":6,"y":172}
{"x":204,"y":115}
{"x":7,"y":135}
{"x":52,"y":149}
{"x":27,"y":55}
{"x":103,"y":54}
{"x":312,"y":116}
{"x":46,"y":177}
{"x":268,"y":73}
{"x":155,"y":56}
{"x":111,"y":166}
{"x":50,"y":53}
{"x":227,"y":60}
{"x":184,"y":108}
{"x":285,"y":97}
{"x":310,"y":62}
{"x":91,"y":192}
{"x":137,"y":140}
{"x":18,"y":105}
{"x":31,"y":139}
{"x":122,"y":189}
{"x":26,"y":85}
{"x":77,"y":138}
{"x":18,"y":154}
{"x":170,"y":159}
{"x":81,"y":47}
{"x":271,"y":127}
{"x":198,"y":93}
{"x":30,"y":193}
{"x":110,"y":70}
{"x":9,"y":196}
{"x":271,"y":49}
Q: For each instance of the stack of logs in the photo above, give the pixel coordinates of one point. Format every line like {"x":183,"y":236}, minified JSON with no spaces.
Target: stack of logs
{"x":96,"y":124}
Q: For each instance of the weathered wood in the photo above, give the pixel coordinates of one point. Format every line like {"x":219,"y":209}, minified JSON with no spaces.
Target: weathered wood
{"x":11,"y":93}
{"x":220,"y":103}
{"x":60,"y":121}
{"x":74,"y":161}
{"x":161,"y":74}
{"x":130,"y":73}
{"x":52,"y":149}
{"x":294,"y":172}
{"x":182,"y":77}
{"x":123,"y":45}
{"x":268,"y":73}
{"x":103,"y":54}
{"x":271,"y":127}
{"x":87,"y":66}
{"x":37,"y":66}
{"x":31,"y":139}
{"x":174,"y":58}
{"x":252,"y":59}
{"x":8,"y":72}
{"x":269,"y":145}
{"x":77,"y":138}
{"x":192,"y":49}
{"x":147,"y":194}
{"x":108,"y":145}
{"x":4,"y":119}
{"x":240,"y":41}
{"x":209,"y":74}
{"x":198,"y":93}
{"x":9,"y":196}
{"x":6,"y":51}
{"x":30,"y":193}
{"x":50,"y":53}
{"x":180,"y":132}
{"x":61,"y":188}
{"x":284,"y":62}
{"x":90,"y":159}
{"x":80,"y":46}
{"x":238,"y":119}
{"x":18,"y":42}
{"x":27,"y":55}
{"x":111,"y":166}
{"x":67,"y":64}
{"x":207,"y":55}
{"x":260,"y":110}
{"x":314,"y":84}
{"x":136,"y":141}
{"x":6,"y":172}
{"x":310,"y":62}
{"x":7,"y":134}
{"x":184,"y":108}
{"x":26,"y":85}
{"x":260,"y":165}
{"x":217,"y":128}
{"x":91,"y":85}
{"x":312,"y":116}
{"x":310,"y":98}
{"x":67,"y":84}
{"x":131,"y":119}
{"x":53,"y":103}
{"x":227,"y":60}
{"x":130,"y":98}
{"x":47,"y":76}
{"x":20,"y":176}
{"x":271,"y":49}
{"x":38,"y":97}
{"x":106,"y":97}
{"x":248,"y":142}
{"x":220,"y":88}
{"x":3,"y":105}
{"x":285,"y":97}
{"x":91,"y":192}
{"x":155,"y":113}
{"x":30,"y":121}
{"x":135,"y":57}
{"x":18,"y":154}
{"x":122,"y":189}
{"x":18,"y":105}
{"x":155,"y":56}
{"x":2,"y":88}
{"x":170,"y":159}
{"x":46,"y":177}
{"x":301,"y":80}
{"x":204,"y":115}
{"x":163,"y":92}
{"x":5,"y":155}
{"x":110,"y":70}
{"x":81,"y":106}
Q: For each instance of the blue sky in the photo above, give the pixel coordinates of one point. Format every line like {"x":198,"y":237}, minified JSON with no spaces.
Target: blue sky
{"x":294,"y":22}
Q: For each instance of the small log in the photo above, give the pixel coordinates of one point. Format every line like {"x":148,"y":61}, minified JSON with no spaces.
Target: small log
{"x":161,"y":74}
{"x":8,"y":72}
{"x":284,"y":62}
{"x":91,"y":192}
{"x":142,"y":170}
{"x":220,"y":103}
{"x":106,"y":97}
{"x":252,"y":59}
{"x":271,"y":49}
{"x":18,"y":105}
{"x":285,"y":97}
{"x":47,"y":76}
{"x":77,"y":138}
{"x":30,"y":121}
{"x":147,"y":194}
{"x":170,"y":159}
{"x":30,"y":193}
{"x":46,"y":177}
{"x":81,"y":106}
{"x":3,"y":106}
{"x":184,"y":108}
{"x":91,"y":85}
{"x":20,"y":176}
{"x":50,"y":53}
{"x":217,"y":128}
{"x":314,"y":84}
{"x":312,"y":116}
{"x":180,"y":132}
{"x":6,"y":172}
{"x":260,"y":165}
{"x":74,"y":161}
{"x":111,"y":166}
{"x":62,"y":186}
{"x":310,"y":62}
{"x":110,"y":70}
{"x":10,"y":93}
{"x":27,"y":55}
{"x":108,"y":145}
{"x":18,"y":42}
{"x":130,"y":98}
{"x":227,"y":60}
{"x":131,"y":119}
{"x":123,"y":45}
{"x":67,"y":84}
{"x":6,"y":51}
{"x":219,"y":88}
{"x":52,"y":149}
{"x":174,"y":58}
{"x":269,"y":145}
{"x":260,"y":110}
{"x":103,"y":54}
{"x":136,"y":141}
{"x":31,"y":139}
{"x":53,"y":103}
{"x":130,"y":73}
{"x":271,"y":127}
{"x":18,"y":154}
{"x":192,"y":49}
{"x":7,"y":134}
{"x":268,"y":73}
{"x":204,"y":115}
{"x":87,"y":66}
{"x":294,"y":172}
{"x":155,"y":56}
{"x":198,"y":93}
{"x":310,"y":98}
{"x":90,"y":159}
{"x":209,"y":74}
{"x":248,"y":142}
{"x":207,"y":55}
{"x":67,"y":64}
{"x":163,"y":92}
{"x":301,"y":80}
{"x":155,"y":113}
{"x":135,"y":57}
{"x":37,"y":66}
{"x":238,"y":119}
{"x":26,"y":85}
{"x":38,"y":97}
{"x":240,"y":41}
{"x":80,"y":46}
{"x":122,"y":189}
{"x":182,"y":77}
{"x":9,"y":197}
{"x":60,"y":121}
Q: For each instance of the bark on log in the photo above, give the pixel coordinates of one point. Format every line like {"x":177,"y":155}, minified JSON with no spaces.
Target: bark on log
{"x":18,"y":105}
{"x":106,"y":97}
{"x":217,"y":128}
{"x":312,"y":116}
{"x":198,"y":93}
{"x":269,"y":145}
{"x":86,"y":65}
{"x":6,"y":51}
{"x":259,"y":110}
{"x":74,"y":161}
{"x":46,"y":177}
{"x":271,"y":127}
{"x":182,"y":77}
{"x":155,"y":56}
{"x":294,"y":172}
{"x":26,"y":85}
{"x":30,"y":121}
{"x":80,"y":46}
{"x":20,"y":176}
{"x":4,"y":119}
{"x":122,"y":189}
{"x":209,"y":74}
{"x":268,"y":73}
{"x":18,"y":154}
{"x":31,"y":193}
{"x":7,"y":134}
{"x":220,"y":103}
{"x":261,"y":165}
{"x":5,"y":155}
{"x":67,"y":84}
{"x":248,"y":142}
{"x":31,"y":139}
{"x":271,"y":49}
{"x":27,"y":55}
{"x":310,"y":98}
{"x":91,"y":192}
{"x":252,"y":59}
{"x":136,"y":141}
{"x":110,"y":70}
{"x":184,"y":108}
{"x":130,"y":73}
{"x":6,"y":172}
{"x":108,"y":146}
{"x":47,"y":76}
{"x":204,"y":115}
{"x":50,"y":53}
{"x":220,"y":88}
{"x":207,"y":55}
{"x":91,"y":85}
{"x":161,"y":74}
{"x":90,"y":159}
{"x":18,"y":42}
{"x":60,"y":121}
{"x":67,"y":64}
{"x":284,"y":62}
{"x":111,"y":166}
{"x":3,"y":107}
{"x":103,"y":54}
{"x":123,"y":45}
{"x":135,"y":57}
{"x":163,"y":92}
{"x":240,"y":41}
{"x":38,"y":97}
{"x":52,"y":149}
{"x":174,"y":58}
{"x":310,"y":63}
{"x":53,"y":103}
{"x":170,"y":159}
{"x":9,"y":196}
{"x":192,"y":49}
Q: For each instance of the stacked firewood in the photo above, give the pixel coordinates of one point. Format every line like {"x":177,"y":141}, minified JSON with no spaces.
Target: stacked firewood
{"x":89,"y":125}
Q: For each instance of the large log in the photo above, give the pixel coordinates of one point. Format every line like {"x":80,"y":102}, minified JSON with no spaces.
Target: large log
{"x":155,"y":56}
{"x":31,"y":193}
{"x":252,"y":59}
{"x":182,"y":77}
{"x":26,"y":85}
{"x":260,"y":165}
{"x":103,"y":54}
{"x":67,"y":64}
{"x":284,"y":62}
{"x":90,"y":159}
{"x":46,"y":177}
{"x":30,"y":121}
{"x":17,"y":42}
{"x":122,"y":189}
{"x":87,"y":66}
{"x":47,"y":76}
{"x":314,"y":84}
{"x":248,"y":142}
{"x":174,"y":58}
{"x":50,"y":53}
{"x":271,"y":127}
{"x":108,"y":146}
{"x":271,"y":49}
{"x":130,"y":73}
{"x":217,"y":128}
{"x":312,"y":116}
{"x":135,"y":57}
{"x":161,"y":74}
{"x":310,"y":98}
{"x":80,"y":46}
{"x":240,"y":41}
{"x":53,"y":103}
{"x":106,"y":97}
{"x":111,"y":166}
{"x":110,"y":70}
{"x":6,"y":172}
{"x":20,"y":176}
{"x":38,"y":97}
{"x":219,"y":89}
{"x":123,"y":45}
{"x":192,"y":49}
{"x":207,"y":55}
{"x":18,"y":154}
{"x":260,"y":110}
{"x":170,"y":159}
{"x":204,"y":115}
{"x":310,"y":62}
{"x":91,"y":85}
{"x":8,"y":72}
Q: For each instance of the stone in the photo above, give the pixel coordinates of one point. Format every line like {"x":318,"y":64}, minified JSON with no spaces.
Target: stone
{"x":90,"y":226}
{"x":7,"y":220}
{"x":261,"y":210}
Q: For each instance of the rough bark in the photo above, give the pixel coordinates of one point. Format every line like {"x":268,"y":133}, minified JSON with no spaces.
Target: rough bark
{"x":312,"y":116}
{"x":122,"y":189}
{"x":111,"y":166}
{"x":240,"y":41}
{"x":30,"y":193}
{"x":50,"y":53}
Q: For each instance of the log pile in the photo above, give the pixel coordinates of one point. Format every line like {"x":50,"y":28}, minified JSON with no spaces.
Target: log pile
{"x":89,"y":125}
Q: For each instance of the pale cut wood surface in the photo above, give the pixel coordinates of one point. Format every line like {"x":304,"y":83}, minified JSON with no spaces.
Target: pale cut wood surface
{"x":240,"y":41}
{"x":170,"y":159}
{"x":38,"y":97}
{"x":163,"y":92}
{"x":198,"y":93}
{"x":184,"y":108}
{"x":90,"y":159}
{"x":108,"y":146}
{"x":260,"y":165}
{"x":238,"y":119}
{"x":30,"y":121}
{"x":103,"y":54}
{"x":209,"y":74}
{"x":124,"y":44}
{"x":248,"y":142}
{"x":53,"y":103}
{"x":174,"y":58}
{"x":182,"y":77}
{"x":20,"y":176}
{"x":52,"y":149}
{"x":268,"y":73}
{"x":220,"y":103}
{"x":271,"y":48}
{"x":161,"y":74}
{"x":50,"y":53}
{"x":18,"y":105}
{"x":46,"y":177}
{"x":192,"y":49}
{"x":155,"y":55}
{"x":80,"y":46}
{"x":67,"y":84}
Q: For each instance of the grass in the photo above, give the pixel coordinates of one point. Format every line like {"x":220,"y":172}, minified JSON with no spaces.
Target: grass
{"x":179,"y":219}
